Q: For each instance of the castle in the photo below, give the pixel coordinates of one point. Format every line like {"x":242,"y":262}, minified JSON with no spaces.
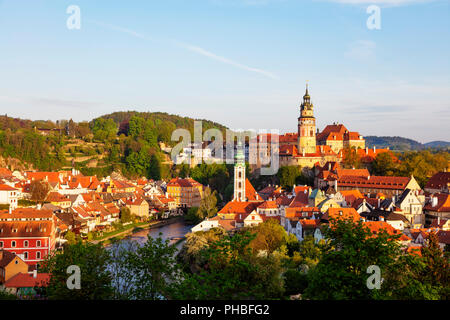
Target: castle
{"x":308,"y":147}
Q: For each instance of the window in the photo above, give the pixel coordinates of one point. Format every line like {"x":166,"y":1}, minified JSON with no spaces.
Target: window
{"x":38,"y":255}
{"x":1,"y":244}
{"x":25,"y":255}
{"x":13,"y":244}
{"x":25,"y":243}
{"x":38,"y":243}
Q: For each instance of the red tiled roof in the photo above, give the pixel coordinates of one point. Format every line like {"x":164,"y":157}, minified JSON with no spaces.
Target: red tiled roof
{"x":337,"y":128}
{"x":4,"y":187}
{"x":443,"y":203}
{"x":377,"y":226}
{"x":26,"y":280}
{"x":268,"y":205}
{"x":238,"y":207}
{"x":381,"y":182}
{"x":341,"y":213}
{"x":438,"y":181}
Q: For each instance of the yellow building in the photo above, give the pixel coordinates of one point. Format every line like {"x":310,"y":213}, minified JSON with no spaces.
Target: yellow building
{"x":186,"y":192}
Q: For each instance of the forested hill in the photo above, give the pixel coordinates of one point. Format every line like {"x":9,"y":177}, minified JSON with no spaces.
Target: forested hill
{"x":122,"y":119}
{"x":403,"y":144}
{"x":121,"y":141}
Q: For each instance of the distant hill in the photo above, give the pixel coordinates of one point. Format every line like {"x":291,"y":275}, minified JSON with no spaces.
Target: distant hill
{"x":438,"y":144}
{"x":403,"y":144}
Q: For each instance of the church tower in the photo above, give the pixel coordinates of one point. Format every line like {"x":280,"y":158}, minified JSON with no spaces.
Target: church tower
{"x":239,"y":174}
{"x":306,"y":126}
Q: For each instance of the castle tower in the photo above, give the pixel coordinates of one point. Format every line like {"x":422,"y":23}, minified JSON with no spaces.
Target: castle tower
{"x":239,"y":174}
{"x":306,"y":126}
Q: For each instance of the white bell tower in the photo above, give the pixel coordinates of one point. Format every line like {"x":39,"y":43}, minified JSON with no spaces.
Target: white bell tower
{"x":239,"y":174}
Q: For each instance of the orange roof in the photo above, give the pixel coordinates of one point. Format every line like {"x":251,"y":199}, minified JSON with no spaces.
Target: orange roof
{"x":298,"y":212}
{"x":377,"y":226}
{"x":4,"y":187}
{"x":49,"y":176}
{"x":443,"y":203}
{"x":26,"y":213}
{"x":187,"y":182}
{"x":5,"y":172}
{"x":26,"y":280}
{"x":355,"y":193}
{"x":239,"y":207}
{"x":342,"y":213}
{"x":268,"y":205}
{"x":335,"y":128}
{"x":250,"y":192}
{"x":369,"y":154}
{"x":56,"y":197}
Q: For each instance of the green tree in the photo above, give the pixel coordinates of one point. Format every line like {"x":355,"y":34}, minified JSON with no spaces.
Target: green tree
{"x":383,"y":165}
{"x":39,"y":190}
{"x":208,"y":204}
{"x":341,"y":273}
{"x":154,"y":170}
{"x":288,"y":175}
{"x":70,"y":237}
{"x":125,"y":215}
{"x":154,"y":270}
{"x":95,"y":278}
{"x":268,"y":236}
{"x":232,"y":271}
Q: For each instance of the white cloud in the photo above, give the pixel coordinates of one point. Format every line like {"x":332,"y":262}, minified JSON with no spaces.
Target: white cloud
{"x":192,"y":48}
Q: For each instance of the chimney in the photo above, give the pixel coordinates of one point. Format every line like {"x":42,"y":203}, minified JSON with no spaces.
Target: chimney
{"x":381,"y":218}
{"x":374,"y":149}
{"x":335,"y":185}
{"x":439,"y":221}
{"x":329,"y":166}
{"x":35,"y":273}
{"x":379,"y":202}
{"x":367,"y":150}
{"x":434,"y":201}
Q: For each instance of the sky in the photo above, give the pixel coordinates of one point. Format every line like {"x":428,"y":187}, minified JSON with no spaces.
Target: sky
{"x":242,"y":63}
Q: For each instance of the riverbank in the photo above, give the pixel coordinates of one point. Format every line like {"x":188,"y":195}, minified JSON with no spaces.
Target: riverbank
{"x":119,"y":235}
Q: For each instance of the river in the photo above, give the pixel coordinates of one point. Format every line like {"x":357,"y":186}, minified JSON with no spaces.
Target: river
{"x":176,"y":230}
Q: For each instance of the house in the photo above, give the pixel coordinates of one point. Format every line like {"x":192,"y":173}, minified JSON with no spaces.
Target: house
{"x":349,"y":197}
{"x":24,"y":283}
{"x":28,"y":232}
{"x":10,"y":265}
{"x":340,"y":213}
{"x":411,"y":202}
{"x":269,"y":208}
{"x":9,"y":196}
{"x":438,"y":183}
{"x":186,"y":192}
{"x":59,"y":200}
{"x":443,"y":224}
{"x":138,"y":207}
{"x":389,"y":186}
{"x":206,"y":225}
{"x":302,"y":228}
{"x":253,"y":219}
{"x":437,"y":207}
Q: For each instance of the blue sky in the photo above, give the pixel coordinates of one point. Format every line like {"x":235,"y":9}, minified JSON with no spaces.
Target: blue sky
{"x":243,"y":63}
